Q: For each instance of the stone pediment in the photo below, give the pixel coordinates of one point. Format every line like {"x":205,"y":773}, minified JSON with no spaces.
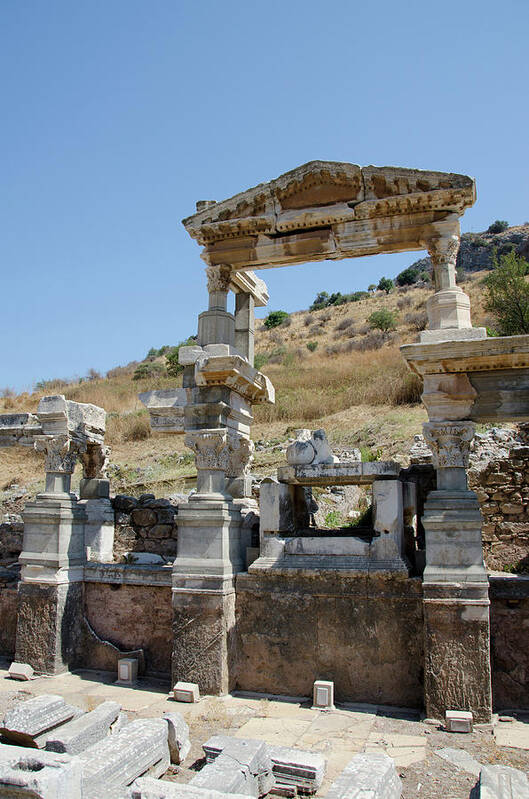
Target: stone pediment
{"x":325,"y":193}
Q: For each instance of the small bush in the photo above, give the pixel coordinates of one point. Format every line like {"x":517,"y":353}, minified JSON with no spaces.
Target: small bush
{"x":498,"y":226}
{"x":382,"y":320}
{"x":372,"y":341}
{"x":286,"y":322}
{"x":385,"y":284}
{"x":418,"y":320}
{"x":308,"y":319}
{"x":136,"y":427}
{"x":403,"y":302}
{"x":274,"y":319}
{"x":312,"y":345}
{"x":147,"y":370}
{"x":260,"y":360}
{"x":316,"y":330}
{"x":345,"y":323}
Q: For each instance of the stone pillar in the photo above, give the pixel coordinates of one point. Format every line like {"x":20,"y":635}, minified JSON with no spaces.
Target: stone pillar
{"x":50,"y":591}
{"x":449,"y":307}
{"x":245,"y":325}
{"x":94,"y":490}
{"x":209,"y":556}
{"x":455,"y":584}
{"x":216,"y":325}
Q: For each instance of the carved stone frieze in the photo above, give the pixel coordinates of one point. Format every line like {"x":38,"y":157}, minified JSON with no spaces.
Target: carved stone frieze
{"x":211,"y":448}
{"x":219,"y":278}
{"x":450,"y":443}
{"x":61,"y":455}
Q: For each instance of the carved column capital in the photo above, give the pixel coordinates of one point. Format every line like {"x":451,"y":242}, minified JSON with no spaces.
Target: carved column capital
{"x":211,"y":449}
{"x":240,"y":455}
{"x":450,"y":443}
{"x":219,"y":278}
{"x":443,"y":253}
{"x":60,"y":454}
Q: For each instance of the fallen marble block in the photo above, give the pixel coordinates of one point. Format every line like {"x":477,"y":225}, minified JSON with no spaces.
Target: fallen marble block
{"x":503,"y":782}
{"x":109,"y":766}
{"x":367,"y":776}
{"x":178,"y":737}
{"x":20,"y":671}
{"x":243,"y":766}
{"x":38,"y":775}
{"x":30,"y":723}
{"x":147,"y":788}
{"x":76,"y":736}
{"x":291,"y":766}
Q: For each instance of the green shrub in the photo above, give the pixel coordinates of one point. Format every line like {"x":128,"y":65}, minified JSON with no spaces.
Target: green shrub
{"x":385,"y":284}
{"x":275,"y":318}
{"x":407,"y":277}
{"x":146,"y":370}
{"x":171,"y":357}
{"x":382,"y":320}
{"x":507,"y":294}
{"x":498,"y":226}
{"x":260,"y":360}
{"x":311,"y":345}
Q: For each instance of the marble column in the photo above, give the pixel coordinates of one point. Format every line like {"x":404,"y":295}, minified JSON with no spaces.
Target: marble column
{"x":50,"y":591}
{"x":455,"y":584}
{"x":216,"y":325}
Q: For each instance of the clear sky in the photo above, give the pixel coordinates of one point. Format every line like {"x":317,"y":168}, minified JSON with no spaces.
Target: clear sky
{"x":117,"y":115}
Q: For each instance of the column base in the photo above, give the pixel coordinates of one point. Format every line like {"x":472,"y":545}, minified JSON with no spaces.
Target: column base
{"x":449,"y":318}
{"x":49,"y":626}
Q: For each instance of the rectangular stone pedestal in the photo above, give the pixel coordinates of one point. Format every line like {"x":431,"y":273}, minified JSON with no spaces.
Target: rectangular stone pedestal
{"x":49,"y":625}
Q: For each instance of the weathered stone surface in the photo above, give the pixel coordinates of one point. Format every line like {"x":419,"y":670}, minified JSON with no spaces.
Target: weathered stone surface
{"x":458,"y":721}
{"x":110,"y":765}
{"x":367,"y":776}
{"x":38,"y":775}
{"x":76,"y":736}
{"x":503,"y":782}
{"x":20,"y":671}
{"x":186,"y":692}
{"x":243,"y":766}
{"x":323,"y":695}
{"x":178,"y":737}
{"x":461,"y":759}
{"x":147,"y":788}
{"x":166,"y":407}
{"x":328,"y":474}
{"x":29,"y":723}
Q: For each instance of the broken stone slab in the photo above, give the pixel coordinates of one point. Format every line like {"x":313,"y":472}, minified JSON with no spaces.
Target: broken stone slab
{"x":112,"y":764}
{"x":330,"y":474}
{"x":310,"y":449}
{"x":166,"y":408}
{"x":460,"y":759}
{"x":147,"y":788}
{"x":297,"y":767}
{"x":76,"y":736}
{"x":178,"y":737}
{"x":30,"y":723}
{"x":20,"y":671}
{"x":243,"y":766}
{"x":503,"y":782}
{"x":367,"y":776}
{"x":38,"y":775}
{"x":80,"y":420}
{"x":19,"y":429}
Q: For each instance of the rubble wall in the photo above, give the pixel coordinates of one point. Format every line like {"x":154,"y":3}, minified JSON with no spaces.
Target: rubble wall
{"x":509,"y":632}
{"x":362,"y":631}
{"x":8,"y":617}
{"x":145,"y":525}
{"x":132,"y":617}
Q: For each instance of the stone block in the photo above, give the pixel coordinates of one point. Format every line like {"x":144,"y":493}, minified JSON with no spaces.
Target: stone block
{"x":94,"y":488}
{"x":77,"y":735}
{"x":127,"y":671}
{"x":323,"y":695}
{"x":244,"y":766}
{"x":387,"y":506}
{"x":30,"y":723}
{"x":178,"y":737}
{"x":503,"y":782}
{"x":147,"y":788}
{"x":186,"y":692}
{"x":38,"y":775}
{"x":20,"y":671}
{"x":367,"y":776}
{"x":109,"y":766}
{"x":275,"y":503}
{"x":458,"y":721}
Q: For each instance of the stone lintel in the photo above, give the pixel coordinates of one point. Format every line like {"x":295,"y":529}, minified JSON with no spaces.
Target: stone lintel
{"x":328,"y":474}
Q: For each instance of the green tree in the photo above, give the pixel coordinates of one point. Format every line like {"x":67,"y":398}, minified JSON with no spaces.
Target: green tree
{"x":275,"y":318}
{"x":407,"y":277}
{"x":498,"y":226}
{"x":385,"y":284}
{"x":382,"y":320}
{"x":507,"y":294}
{"x":371,"y":288}
{"x":171,"y":358}
{"x":321,"y":301}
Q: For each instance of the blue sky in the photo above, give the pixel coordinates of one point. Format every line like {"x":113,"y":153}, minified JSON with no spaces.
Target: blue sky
{"x":118,"y":115}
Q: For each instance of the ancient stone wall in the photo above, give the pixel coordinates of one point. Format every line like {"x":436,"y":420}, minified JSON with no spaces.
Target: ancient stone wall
{"x":363,"y":631}
{"x":11,"y":535}
{"x":132,"y":617}
{"x":146,"y":524}
{"x":509,"y":629}
{"x":8,"y":612}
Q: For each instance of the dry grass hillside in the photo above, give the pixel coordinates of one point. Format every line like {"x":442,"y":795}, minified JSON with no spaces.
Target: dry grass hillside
{"x":329,"y":369}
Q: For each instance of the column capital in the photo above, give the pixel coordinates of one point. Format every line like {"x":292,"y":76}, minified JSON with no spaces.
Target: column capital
{"x":211,"y":448}
{"x":60,"y":454}
{"x":240,"y":455}
{"x":443,"y":249}
{"x":219,"y":278}
{"x":450,"y":443}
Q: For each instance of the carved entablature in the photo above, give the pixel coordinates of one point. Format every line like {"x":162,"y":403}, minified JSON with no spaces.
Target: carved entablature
{"x":327,"y":209}
{"x":450,"y":443}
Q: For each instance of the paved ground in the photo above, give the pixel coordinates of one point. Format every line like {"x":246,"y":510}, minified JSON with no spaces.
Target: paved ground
{"x":339,"y":734}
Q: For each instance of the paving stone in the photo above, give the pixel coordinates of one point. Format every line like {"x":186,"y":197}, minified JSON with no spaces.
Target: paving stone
{"x":283,"y":732}
{"x":503,"y":782}
{"x":78,"y":735}
{"x":178,"y":737}
{"x":29,"y":723}
{"x":38,"y":775}
{"x":461,"y":759}
{"x":515,"y":735}
{"x":110,"y":765}
{"x":367,"y":776}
